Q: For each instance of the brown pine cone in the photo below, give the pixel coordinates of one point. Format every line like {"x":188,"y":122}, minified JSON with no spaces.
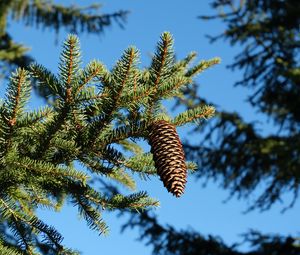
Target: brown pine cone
{"x":168,"y":156}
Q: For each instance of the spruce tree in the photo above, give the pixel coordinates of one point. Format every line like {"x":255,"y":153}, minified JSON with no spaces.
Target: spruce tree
{"x":96,"y":120}
{"x":45,"y":14}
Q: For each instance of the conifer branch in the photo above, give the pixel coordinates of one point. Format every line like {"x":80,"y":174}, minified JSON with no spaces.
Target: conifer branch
{"x":114,"y":173}
{"x":136,"y":201}
{"x":96,"y":118}
{"x":123,"y":132}
{"x":201,"y":112}
{"x":132,"y":146}
{"x":162,"y":60}
{"x":160,"y":68}
{"x":46,"y":14}
{"x":30,"y":119}
{"x":47,"y":80}
{"x":51,"y":128}
{"x":137,"y":97}
{"x":69,"y":66}
{"x":122,"y":72}
{"x":19,"y":223}
{"x":124,"y":69}
{"x":94,"y":164}
{"x":144,"y":164}
{"x":8,"y":250}
{"x":93,"y":70}
{"x":46,"y":170}
{"x":119,"y":175}
{"x":183,"y":64}
{"x":17,"y":95}
{"x":91,"y":215}
{"x":203,"y":65}
{"x":12,"y":120}
{"x":89,"y":98}
{"x":172,"y":87}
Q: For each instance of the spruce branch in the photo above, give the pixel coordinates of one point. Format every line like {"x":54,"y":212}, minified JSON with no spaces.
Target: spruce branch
{"x":115,"y":173}
{"x":131,"y":146}
{"x":46,"y":14}
{"x":160,"y":67}
{"x":181,"y":65}
{"x":172,"y":87}
{"x":47,"y":80}
{"x":200,"y":112}
{"x":22,"y":226}
{"x":162,"y":60}
{"x":94,"y":70}
{"x":17,"y":95}
{"x":91,"y":214}
{"x":137,"y":201}
{"x":123,"y":132}
{"x":203,"y":65}
{"x":43,"y":171}
{"x":6,"y":250}
{"x":144,"y":165}
{"x":69,"y":66}
{"x":121,"y":77}
{"x":120,"y":175}
{"x":96,"y":119}
{"x":34,"y":118}
{"x":12,"y":50}
{"x":51,"y":127}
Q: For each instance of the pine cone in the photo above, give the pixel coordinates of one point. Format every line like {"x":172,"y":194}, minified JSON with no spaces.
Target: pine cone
{"x":168,"y":156}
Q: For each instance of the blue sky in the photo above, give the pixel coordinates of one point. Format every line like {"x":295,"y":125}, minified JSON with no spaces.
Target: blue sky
{"x":200,"y":208}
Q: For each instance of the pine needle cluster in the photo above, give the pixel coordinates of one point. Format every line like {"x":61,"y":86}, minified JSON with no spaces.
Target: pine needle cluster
{"x":95,"y":119}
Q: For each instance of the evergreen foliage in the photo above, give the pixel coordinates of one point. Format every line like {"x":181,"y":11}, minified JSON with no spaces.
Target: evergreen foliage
{"x":235,"y":152}
{"x":45,"y":14}
{"x":166,"y":240}
{"x":95,"y":120}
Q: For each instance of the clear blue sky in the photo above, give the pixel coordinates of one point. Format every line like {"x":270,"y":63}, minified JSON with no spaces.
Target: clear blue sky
{"x":200,"y":208}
